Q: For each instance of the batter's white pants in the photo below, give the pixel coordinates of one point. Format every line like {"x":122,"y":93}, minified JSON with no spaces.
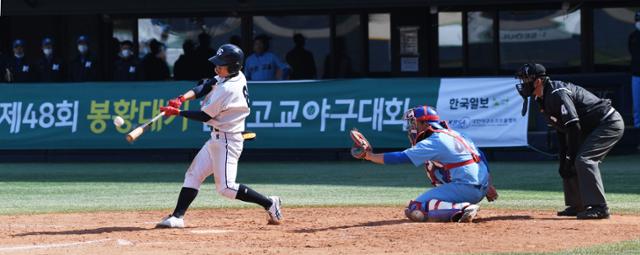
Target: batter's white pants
{"x":218,"y":156}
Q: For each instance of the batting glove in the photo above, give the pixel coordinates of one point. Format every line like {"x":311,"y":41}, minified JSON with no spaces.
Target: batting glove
{"x":170,"y":111}
{"x":177,"y":102}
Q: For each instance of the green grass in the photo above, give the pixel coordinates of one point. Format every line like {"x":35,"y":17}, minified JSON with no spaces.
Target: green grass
{"x":620,"y":248}
{"x":80,"y":187}
{"x":42,"y":188}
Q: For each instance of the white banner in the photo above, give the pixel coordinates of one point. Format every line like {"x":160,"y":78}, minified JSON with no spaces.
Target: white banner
{"x":485,"y":109}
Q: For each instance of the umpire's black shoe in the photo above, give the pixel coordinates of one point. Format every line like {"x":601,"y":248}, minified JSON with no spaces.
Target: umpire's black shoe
{"x":570,"y":211}
{"x":594,"y":213}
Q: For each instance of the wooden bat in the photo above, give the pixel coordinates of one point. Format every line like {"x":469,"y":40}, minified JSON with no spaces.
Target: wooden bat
{"x":137,"y":132}
{"x":248,"y":135}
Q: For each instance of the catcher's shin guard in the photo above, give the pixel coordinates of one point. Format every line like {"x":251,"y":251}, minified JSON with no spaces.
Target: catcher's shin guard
{"x":442,"y":211}
{"x":415,"y":211}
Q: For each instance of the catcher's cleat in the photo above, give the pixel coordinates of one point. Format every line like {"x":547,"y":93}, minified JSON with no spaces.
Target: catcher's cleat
{"x":171,"y":222}
{"x":469,"y":213}
{"x":275,"y":214}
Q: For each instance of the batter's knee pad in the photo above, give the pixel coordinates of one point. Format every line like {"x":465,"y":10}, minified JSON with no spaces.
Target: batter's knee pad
{"x":415,"y":211}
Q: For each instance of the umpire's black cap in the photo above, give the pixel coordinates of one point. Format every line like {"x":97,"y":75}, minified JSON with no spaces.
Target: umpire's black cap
{"x":531,"y":70}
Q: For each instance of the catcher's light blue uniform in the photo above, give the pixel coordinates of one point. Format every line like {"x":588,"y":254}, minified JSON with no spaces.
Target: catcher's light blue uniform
{"x":460,"y":184}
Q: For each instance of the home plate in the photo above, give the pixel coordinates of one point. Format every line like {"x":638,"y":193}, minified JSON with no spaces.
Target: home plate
{"x":210,"y":231}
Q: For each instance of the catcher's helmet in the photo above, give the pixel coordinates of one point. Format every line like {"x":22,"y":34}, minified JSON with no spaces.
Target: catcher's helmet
{"x":527,"y":74}
{"x":423,"y":114}
{"x":229,"y":55}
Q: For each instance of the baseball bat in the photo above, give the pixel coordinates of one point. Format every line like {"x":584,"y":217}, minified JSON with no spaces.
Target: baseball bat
{"x":137,"y":132}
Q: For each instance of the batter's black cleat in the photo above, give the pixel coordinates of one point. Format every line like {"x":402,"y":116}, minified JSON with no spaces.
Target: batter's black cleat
{"x":570,"y":211}
{"x":594,"y":213}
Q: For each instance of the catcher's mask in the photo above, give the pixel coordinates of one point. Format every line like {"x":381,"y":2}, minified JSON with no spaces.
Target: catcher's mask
{"x":428,"y":117}
{"x":528,"y":74}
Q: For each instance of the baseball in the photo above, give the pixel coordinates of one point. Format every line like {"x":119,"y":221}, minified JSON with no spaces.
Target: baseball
{"x":118,"y":121}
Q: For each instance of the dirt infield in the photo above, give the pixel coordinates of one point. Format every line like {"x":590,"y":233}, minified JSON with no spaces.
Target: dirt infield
{"x":340,"y":230}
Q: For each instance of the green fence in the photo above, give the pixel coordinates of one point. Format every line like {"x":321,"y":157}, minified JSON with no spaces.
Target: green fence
{"x":314,"y":114}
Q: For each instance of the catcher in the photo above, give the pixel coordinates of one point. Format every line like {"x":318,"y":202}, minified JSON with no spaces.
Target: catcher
{"x":454,"y":165}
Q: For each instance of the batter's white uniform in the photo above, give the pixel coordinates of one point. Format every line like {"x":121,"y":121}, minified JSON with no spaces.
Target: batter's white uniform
{"x":227,"y":104}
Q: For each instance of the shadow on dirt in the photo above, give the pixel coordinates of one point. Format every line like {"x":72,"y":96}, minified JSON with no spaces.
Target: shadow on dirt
{"x":84,"y":231}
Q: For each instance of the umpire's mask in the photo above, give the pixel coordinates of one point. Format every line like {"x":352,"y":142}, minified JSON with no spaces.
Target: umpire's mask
{"x":527,"y":74}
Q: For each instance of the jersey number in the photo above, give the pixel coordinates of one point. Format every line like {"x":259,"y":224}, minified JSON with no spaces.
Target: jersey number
{"x":245,"y":91}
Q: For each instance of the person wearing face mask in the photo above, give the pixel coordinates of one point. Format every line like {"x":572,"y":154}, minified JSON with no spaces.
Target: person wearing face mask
{"x":127,"y":66}
{"x":634,"y":49}
{"x":84,"y":66}
{"x":19,"y":67}
{"x":154,"y":65}
{"x":50,"y":68}
{"x":587,"y":127}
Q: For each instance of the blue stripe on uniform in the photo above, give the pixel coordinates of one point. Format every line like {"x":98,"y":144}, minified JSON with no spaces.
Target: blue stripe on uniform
{"x":226,"y":156}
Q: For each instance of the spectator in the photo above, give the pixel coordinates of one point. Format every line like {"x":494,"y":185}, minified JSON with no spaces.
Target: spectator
{"x":634,"y":49}
{"x":84,"y":66}
{"x":204,"y":68}
{"x":3,"y":69}
{"x":301,"y":60}
{"x":263,"y":65}
{"x":183,"y":69}
{"x":235,"y":40}
{"x":50,"y":65}
{"x":126,"y":67}
{"x":340,"y":68}
{"x":20,"y":69}
{"x":154,"y":64}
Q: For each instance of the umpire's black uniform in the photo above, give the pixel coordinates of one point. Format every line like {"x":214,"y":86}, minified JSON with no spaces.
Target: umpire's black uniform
{"x":588,"y":127}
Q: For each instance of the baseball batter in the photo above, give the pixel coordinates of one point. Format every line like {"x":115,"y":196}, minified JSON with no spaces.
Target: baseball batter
{"x":452,"y":162}
{"x":224,"y":107}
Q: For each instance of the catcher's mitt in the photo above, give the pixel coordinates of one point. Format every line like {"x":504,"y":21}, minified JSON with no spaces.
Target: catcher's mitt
{"x":360,"y":146}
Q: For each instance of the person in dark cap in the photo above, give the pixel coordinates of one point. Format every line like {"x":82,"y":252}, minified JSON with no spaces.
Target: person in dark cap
{"x":587,"y":127}
{"x":50,"y":65}
{"x":183,"y":69}
{"x":154,"y":64}
{"x":301,"y":60}
{"x":127,"y":66}
{"x":19,"y":67}
{"x":634,"y":49}
{"x":84,"y":66}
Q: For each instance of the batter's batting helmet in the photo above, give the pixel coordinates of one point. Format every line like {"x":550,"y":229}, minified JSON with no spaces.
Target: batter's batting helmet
{"x":229,"y":55}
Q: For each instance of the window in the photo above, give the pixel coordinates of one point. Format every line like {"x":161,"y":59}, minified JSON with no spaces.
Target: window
{"x":281,"y":29}
{"x":380,"y":42}
{"x":450,"y":39}
{"x":480,"y":35}
{"x":549,"y":37}
{"x":123,"y":29}
{"x":174,"y":31}
{"x":349,"y":34}
{"x":611,"y":29}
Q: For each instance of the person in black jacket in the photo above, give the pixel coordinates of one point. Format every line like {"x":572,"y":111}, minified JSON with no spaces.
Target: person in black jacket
{"x":634,"y":49}
{"x":127,"y":66}
{"x":84,"y":66}
{"x":50,"y":65}
{"x":154,"y":64}
{"x":301,"y":60}
{"x":20,"y":68}
{"x":587,"y":127}
{"x":183,"y":69}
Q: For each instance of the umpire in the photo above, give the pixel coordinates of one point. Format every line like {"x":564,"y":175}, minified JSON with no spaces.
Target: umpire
{"x":587,"y":127}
